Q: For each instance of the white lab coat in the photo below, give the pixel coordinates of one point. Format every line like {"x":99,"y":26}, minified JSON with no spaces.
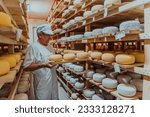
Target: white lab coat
{"x":45,"y":80}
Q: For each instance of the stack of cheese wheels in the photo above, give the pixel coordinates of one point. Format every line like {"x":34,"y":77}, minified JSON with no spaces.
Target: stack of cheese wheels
{"x":5,"y":19}
{"x":125,"y":59}
{"x":109,"y":83}
{"x":82,"y":55}
{"x":4,"y":67}
{"x":96,"y":55}
{"x":11,"y":60}
{"x":139,"y":57}
{"x":56,"y":58}
{"x":108,"y":57}
{"x":138,"y":83}
{"x":127,"y":90}
{"x":124,"y":79}
{"x":21,"y":96}
{"x":23,"y":86}
{"x":69,"y":57}
{"x":109,"y":2}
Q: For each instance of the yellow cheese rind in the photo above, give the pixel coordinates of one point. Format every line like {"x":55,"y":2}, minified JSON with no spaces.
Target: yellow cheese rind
{"x":69,"y":57}
{"x":4,"y":67}
{"x":96,"y":55}
{"x":139,"y":57}
{"x":108,"y":57}
{"x":125,"y":59}
{"x":82,"y":55}
{"x":11,"y":60}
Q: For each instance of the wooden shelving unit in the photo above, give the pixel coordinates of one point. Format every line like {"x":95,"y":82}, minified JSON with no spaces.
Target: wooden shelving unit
{"x":116,"y":14}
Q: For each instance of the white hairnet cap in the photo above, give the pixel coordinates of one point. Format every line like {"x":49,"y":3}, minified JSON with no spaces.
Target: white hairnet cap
{"x":45,"y":28}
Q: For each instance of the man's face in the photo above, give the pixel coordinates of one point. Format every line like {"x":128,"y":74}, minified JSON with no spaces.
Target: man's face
{"x":44,"y":39}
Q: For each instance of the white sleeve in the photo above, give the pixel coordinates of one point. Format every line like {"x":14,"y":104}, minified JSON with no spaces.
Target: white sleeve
{"x":29,"y":57}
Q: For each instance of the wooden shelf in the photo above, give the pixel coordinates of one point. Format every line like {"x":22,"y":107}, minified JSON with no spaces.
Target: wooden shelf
{"x":6,"y":40}
{"x":76,"y":73}
{"x":1,"y":85}
{"x":15,"y":86}
{"x":106,"y":89}
{"x":137,"y":96}
{"x":95,"y":83}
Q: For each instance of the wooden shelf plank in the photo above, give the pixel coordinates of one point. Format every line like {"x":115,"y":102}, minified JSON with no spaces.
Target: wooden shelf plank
{"x":1,"y":85}
{"x":95,"y":83}
{"x":14,"y":86}
{"x":106,"y":89}
{"x":137,"y":96}
{"x":6,"y":40}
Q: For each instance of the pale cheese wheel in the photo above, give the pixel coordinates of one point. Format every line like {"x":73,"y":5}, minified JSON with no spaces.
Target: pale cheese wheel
{"x":21,"y":96}
{"x":96,"y":55}
{"x":79,"y":85}
{"x":138,"y":83}
{"x":79,"y":68}
{"x":127,"y":90}
{"x":109,"y":83}
{"x":124,"y":78}
{"x":139,"y":57}
{"x":5,"y":19}
{"x":11,"y":60}
{"x":97,"y":8}
{"x":4,"y":67}
{"x":74,"y":96}
{"x":98,"y":77}
{"x":111,"y":30}
{"x":108,"y":57}
{"x":87,"y":13}
{"x":82,"y":55}
{"x":56,"y":58}
{"x":96,"y":97}
{"x":88,"y":74}
{"x":125,"y":59}
{"x":88,"y":93}
{"x":69,"y":57}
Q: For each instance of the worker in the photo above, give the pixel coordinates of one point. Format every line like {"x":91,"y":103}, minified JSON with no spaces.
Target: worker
{"x":36,"y":60}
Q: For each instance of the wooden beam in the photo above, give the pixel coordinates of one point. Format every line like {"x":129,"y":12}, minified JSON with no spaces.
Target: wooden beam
{"x":6,"y":40}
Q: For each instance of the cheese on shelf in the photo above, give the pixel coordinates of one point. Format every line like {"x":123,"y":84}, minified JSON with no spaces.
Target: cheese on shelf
{"x":109,"y":2}
{"x":5,"y":19}
{"x":21,"y":96}
{"x":111,"y":30}
{"x":11,"y":60}
{"x":69,"y":57}
{"x":98,"y":77}
{"x":4,"y":67}
{"x":139,"y":57}
{"x":88,"y":93}
{"x":109,"y":83}
{"x":96,"y":55}
{"x":127,"y":90}
{"x":97,"y":8}
{"x":82,"y":55}
{"x":56,"y":58}
{"x":87,"y":13}
{"x":125,"y":59}
{"x":108,"y":57}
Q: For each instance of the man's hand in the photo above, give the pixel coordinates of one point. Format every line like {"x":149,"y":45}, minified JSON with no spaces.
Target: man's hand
{"x":49,"y":65}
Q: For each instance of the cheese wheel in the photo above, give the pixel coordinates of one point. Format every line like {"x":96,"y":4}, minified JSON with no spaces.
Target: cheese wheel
{"x":108,"y":57}
{"x":11,"y":60}
{"x":79,"y":85}
{"x":139,"y":57}
{"x":98,"y":77}
{"x":96,"y":97}
{"x":109,"y":83}
{"x":82,"y":55}
{"x":74,"y":96}
{"x":127,"y":90}
{"x":88,"y":93}
{"x":69,"y":57}
{"x":56,"y":58}
{"x":16,"y":56}
{"x":5,"y":19}
{"x":138,"y":83}
{"x":96,"y":55}
{"x":88,"y":74}
{"x":124,"y":78}
{"x":23,"y":86}
{"x":125,"y":59}
{"x":21,"y":96}
{"x":4,"y":67}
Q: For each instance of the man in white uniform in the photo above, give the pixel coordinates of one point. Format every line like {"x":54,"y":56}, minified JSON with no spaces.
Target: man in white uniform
{"x":44,"y":73}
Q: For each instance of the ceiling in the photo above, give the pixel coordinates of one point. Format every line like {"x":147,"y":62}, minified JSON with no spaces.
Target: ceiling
{"x":38,"y":9}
